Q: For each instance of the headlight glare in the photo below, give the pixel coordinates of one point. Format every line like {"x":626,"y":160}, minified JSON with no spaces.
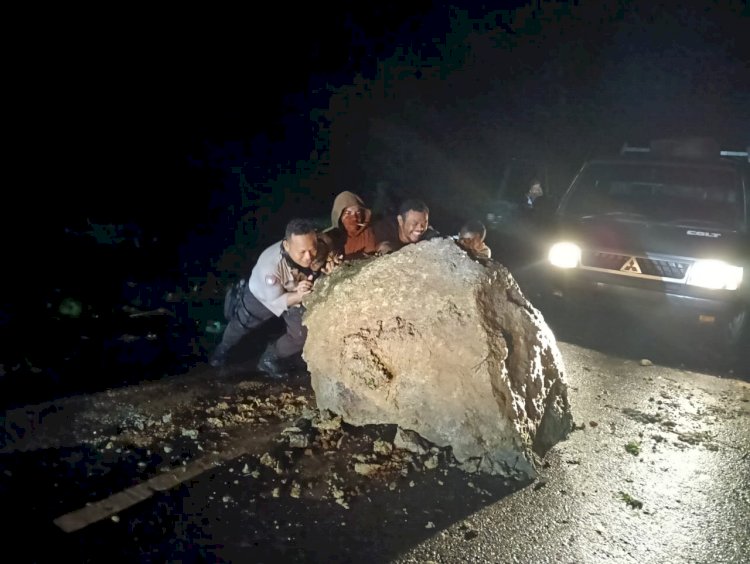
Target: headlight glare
{"x":565,"y":255}
{"x":715,"y":274}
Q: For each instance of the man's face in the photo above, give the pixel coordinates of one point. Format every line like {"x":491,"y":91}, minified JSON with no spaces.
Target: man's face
{"x":302,"y":248}
{"x":536,"y":190}
{"x":352,"y":218}
{"x":412,"y":226}
{"x":470,"y":241}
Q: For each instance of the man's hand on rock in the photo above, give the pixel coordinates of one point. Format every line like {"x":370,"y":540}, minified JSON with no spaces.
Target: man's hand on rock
{"x":303,"y":288}
{"x":332,"y":261}
{"x":384,"y":248}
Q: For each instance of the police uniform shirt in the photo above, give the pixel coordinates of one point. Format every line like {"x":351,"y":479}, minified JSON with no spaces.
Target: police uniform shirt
{"x":272,"y":278}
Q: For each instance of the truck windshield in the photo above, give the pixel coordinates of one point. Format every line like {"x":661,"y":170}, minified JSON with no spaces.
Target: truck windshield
{"x":641,"y":191}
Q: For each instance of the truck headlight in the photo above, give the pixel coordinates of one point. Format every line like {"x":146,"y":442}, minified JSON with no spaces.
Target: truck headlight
{"x":715,"y":274}
{"x":565,"y":255}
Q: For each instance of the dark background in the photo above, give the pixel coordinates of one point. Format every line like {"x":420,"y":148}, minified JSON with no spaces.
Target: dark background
{"x":141,"y":116}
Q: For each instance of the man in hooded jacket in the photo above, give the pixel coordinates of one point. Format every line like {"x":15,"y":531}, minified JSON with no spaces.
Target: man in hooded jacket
{"x":353,"y":234}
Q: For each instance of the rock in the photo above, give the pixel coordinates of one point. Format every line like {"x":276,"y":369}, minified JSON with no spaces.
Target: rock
{"x":411,"y":441}
{"x":327,"y":424}
{"x":382,"y":447}
{"x":296,"y":437}
{"x":438,"y":344}
{"x":366,"y":469}
{"x":431,"y":463}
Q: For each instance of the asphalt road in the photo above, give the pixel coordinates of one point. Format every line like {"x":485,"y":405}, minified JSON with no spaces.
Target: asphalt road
{"x":658,"y":470}
{"x":659,"y":473}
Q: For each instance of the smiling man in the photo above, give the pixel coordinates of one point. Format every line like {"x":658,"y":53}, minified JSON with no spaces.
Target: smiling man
{"x":281,"y":278}
{"x":412,"y":225}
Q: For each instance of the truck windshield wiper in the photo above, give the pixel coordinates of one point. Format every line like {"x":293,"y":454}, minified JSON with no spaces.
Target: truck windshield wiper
{"x":616,"y":214}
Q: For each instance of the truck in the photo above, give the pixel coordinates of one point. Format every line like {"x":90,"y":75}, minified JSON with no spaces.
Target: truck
{"x":662,"y":229}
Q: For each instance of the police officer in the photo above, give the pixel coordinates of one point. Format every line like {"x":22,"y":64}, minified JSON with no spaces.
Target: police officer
{"x":281,"y":278}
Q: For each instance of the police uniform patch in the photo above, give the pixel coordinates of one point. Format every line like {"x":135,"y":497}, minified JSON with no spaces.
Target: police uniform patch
{"x":271,"y":280}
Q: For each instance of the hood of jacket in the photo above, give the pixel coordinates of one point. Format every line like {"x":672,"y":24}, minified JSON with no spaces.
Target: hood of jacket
{"x":343,"y":201}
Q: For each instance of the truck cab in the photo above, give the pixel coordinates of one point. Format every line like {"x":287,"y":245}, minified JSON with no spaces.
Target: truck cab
{"x":662,"y":229}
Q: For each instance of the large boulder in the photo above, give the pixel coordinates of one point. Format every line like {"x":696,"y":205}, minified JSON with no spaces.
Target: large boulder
{"x":436,"y":343}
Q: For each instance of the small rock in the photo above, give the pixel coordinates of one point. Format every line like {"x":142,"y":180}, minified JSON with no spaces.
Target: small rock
{"x":268,"y":460}
{"x":382,"y":447}
{"x":411,"y":441}
{"x":366,"y":469}
{"x":296,"y":437}
{"x":646,"y":362}
{"x":470,"y":465}
{"x":295,"y":490}
{"x":431,"y":463}
{"x":328,"y":424}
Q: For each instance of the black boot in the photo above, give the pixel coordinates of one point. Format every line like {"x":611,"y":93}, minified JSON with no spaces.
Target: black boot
{"x":219,"y":356}
{"x":296,"y":364}
{"x":270,"y":363}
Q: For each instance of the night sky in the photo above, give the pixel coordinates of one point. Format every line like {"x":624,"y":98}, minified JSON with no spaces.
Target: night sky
{"x":141,"y":117}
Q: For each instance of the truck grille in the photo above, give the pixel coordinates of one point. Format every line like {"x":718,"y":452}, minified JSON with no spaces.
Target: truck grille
{"x":661,"y":268}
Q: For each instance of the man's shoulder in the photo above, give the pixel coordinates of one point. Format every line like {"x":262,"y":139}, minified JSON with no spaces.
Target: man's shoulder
{"x":272,"y":249}
{"x":270,"y":256}
{"x":332,"y":239}
{"x":385,"y":228}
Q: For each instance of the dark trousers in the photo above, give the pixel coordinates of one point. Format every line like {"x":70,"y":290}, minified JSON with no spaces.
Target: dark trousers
{"x":249,"y":314}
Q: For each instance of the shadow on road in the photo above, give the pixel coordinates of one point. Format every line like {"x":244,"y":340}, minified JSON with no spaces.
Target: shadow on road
{"x":215,"y":519}
{"x":657,"y":340}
